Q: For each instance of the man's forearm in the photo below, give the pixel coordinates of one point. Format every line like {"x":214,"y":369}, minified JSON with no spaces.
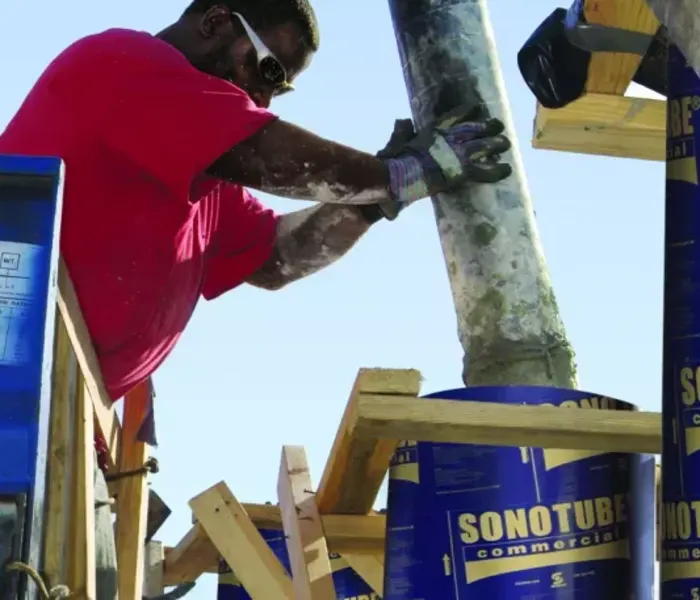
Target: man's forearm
{"x":288,"y":161}
{"x":309,"y":240}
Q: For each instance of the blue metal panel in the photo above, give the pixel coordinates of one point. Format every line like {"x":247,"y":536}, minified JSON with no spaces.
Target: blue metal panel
{"x":31,"y":191}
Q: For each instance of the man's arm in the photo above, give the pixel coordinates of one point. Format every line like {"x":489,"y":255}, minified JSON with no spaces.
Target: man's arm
{"x":309,"y":240}
{"x":288,"y":161}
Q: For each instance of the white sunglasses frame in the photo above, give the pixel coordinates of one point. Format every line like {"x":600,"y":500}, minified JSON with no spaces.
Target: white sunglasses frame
{"x":260,"y":48}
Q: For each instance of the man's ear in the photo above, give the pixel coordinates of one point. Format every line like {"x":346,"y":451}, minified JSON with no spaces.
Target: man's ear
{"x":215,"y":22}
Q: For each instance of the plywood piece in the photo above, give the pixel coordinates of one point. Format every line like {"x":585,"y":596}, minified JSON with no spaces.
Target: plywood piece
{"x":312,"y":574}
{"x":81,"y":542}
{"x":105,"y":415}
{"x":608,"y":72}
{"x":195,"y":554}
{"x":132,"y":497}
{"x":616,"y":126}
{"x":356,"y":467}
{"x":370,"y":568}
{"x":60,"y":457}
{"x":406,"y":417}
{"x":240,"y":544}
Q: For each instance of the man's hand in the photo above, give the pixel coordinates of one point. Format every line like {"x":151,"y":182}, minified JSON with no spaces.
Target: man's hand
{"x":457,"y":151}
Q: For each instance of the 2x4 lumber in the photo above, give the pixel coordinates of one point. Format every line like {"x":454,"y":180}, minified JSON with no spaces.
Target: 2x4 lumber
{"x":241,"y":545}
{"x":81,"y":542}
{"x":359,"y":534}
{"x":60,"y":456}
{"x":604,"y":125}
{"x":132,"y":497}
{"x":356,"y":466}
{"x":370,"y":568}
{"x":312,"y":574}
{"x":345,"y":534}
{"x":608,"y":72}
{"x":358,"y":538}
{"x":448,"y":421}
{"x":195,"y":554}
{"x":105,"y":415}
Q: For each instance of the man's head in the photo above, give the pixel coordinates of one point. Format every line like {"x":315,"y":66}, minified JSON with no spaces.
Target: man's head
{"x":259,"y":45}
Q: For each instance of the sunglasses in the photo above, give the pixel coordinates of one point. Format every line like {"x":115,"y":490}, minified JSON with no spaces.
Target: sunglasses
{"x":270,"y":68}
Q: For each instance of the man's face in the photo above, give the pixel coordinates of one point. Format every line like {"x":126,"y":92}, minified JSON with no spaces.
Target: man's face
{"x":229,"y":52}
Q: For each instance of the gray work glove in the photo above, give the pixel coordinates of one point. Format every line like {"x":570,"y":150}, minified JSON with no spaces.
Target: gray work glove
{"x":458,"y":150}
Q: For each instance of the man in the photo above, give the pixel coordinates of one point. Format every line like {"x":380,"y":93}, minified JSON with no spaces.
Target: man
{"x":162,"y":134}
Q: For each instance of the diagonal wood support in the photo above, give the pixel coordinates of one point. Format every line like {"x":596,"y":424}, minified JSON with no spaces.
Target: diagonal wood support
{"x":346,"y":534}
{"x":240,"y":544}
{"x":357,"y":466}
{"x":105,"y":416}
{"x":195,"y":554}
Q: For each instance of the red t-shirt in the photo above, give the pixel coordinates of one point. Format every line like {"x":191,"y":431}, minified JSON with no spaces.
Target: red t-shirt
{"x":144,"y":232}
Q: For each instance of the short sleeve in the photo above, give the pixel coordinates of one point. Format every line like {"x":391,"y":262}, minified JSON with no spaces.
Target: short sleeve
{"x":245,"y":237}
{"x":169,"y":119}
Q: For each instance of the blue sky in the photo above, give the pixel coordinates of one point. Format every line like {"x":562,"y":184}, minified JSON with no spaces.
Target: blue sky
{"x":258,"y":369}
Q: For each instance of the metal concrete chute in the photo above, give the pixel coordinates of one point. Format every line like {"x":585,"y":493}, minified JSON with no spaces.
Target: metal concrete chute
{"x":507,"y":316}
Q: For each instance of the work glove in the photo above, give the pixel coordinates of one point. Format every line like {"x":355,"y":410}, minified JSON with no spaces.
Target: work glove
{"x":458,"y":150}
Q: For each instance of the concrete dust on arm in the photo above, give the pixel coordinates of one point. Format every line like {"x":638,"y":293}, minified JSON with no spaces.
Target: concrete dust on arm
{"x":288,"y":161}
{"x":309,"y":240}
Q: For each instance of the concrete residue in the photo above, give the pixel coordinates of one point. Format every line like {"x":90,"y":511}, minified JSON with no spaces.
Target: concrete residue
{"x":682,"y":18}
{"x":309,"y":240}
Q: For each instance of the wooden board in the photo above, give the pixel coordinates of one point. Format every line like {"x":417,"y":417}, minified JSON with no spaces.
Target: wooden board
{"x":405,"y":417}
{"x":604,"y":125}
{"x":611,"y":73}
{"x":356,"y":467}
{"x":105,"y":416}
{"x":81,"y":542}
{"x":310,"y":564}
{"x":132,"y":497}
{"x":370,"y":568}
{"x":241,"y":545}
{"x":361,"y":534}
{"x":345,"y":534}
{"x":60,"y":456}
{"x":195,"y":554}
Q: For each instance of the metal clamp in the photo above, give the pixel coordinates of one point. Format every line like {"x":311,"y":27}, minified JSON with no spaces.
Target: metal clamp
{"x":601,"y":38}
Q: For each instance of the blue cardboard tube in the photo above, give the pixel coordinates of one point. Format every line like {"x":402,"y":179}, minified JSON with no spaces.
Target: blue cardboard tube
{"x":506,"y":523}
{"x":680,"y":510}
